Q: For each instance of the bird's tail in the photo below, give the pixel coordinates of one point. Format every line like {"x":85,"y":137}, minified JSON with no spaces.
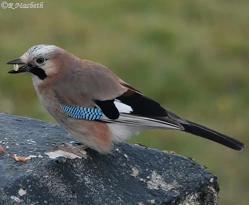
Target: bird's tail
{"x":210,"y":134}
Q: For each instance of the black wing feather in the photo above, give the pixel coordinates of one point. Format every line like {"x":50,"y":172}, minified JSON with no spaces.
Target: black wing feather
{"x":142,"y":105}
{"x":108,"y":108}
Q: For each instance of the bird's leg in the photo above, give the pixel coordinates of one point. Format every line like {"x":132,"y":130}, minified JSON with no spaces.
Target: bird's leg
{"x":78,"y":150}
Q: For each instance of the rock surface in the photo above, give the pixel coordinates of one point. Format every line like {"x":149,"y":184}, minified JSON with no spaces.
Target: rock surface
{"x":131,"y":175}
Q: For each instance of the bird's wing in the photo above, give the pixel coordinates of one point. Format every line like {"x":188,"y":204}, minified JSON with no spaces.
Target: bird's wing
{"x":93,"y":85}
{"x":133,"y":108}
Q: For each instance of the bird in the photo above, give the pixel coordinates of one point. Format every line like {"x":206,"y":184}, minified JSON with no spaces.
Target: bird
{"x":94,"y":105}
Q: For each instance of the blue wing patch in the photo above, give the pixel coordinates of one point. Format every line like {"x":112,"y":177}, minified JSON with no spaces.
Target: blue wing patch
{"x":78,"y":112}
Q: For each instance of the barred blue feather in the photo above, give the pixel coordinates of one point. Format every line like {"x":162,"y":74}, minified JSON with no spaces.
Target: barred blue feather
{"x":79,"y":112}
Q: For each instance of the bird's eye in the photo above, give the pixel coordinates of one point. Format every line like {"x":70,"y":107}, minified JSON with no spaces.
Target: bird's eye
{"x":40,"y":60}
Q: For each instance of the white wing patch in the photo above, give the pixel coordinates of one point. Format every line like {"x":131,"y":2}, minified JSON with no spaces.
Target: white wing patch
{"x":122,"y":108}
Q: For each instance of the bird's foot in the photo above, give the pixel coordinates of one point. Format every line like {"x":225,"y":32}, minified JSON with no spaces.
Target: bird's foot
{"x":78,"y":150}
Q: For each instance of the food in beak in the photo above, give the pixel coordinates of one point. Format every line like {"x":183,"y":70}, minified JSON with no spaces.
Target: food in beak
{"x":16,"y":67}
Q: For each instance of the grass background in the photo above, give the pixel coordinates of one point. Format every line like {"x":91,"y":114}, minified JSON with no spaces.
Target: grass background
{"x":191,"y":56}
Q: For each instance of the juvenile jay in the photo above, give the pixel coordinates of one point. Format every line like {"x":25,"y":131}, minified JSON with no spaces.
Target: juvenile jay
{"x":94,"y":105}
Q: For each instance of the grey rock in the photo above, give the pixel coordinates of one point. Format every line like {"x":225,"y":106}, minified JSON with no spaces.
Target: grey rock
{"x":132,"y":174}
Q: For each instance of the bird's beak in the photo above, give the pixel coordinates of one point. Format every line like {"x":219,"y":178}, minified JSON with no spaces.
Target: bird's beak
{"x":17,"y":69}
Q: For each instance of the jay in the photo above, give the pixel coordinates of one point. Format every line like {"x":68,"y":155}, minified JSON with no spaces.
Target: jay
{"x":94,"y":105}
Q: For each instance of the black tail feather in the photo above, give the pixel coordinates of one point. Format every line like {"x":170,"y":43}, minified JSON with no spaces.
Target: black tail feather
{"x":207,"y":133}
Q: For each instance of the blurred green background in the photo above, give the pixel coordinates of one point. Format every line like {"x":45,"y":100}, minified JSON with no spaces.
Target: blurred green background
{"x":191,"y":56}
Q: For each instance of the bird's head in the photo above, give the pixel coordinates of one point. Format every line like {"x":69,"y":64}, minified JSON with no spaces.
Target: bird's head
{"x":41,"y":61}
